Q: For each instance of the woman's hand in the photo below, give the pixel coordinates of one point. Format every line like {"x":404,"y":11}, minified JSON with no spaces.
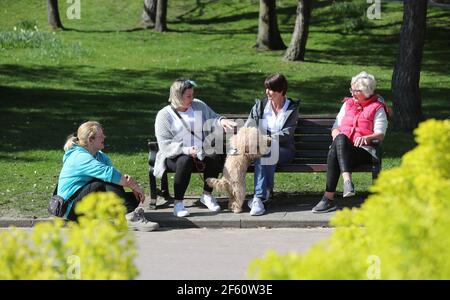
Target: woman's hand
{"x":335,"y":133}
{"x":135,"y":187}
{"x":366,"y":140}
{"x":361,"y":141}
{"x":131,"y":183}
{"x":227,"y":124}
{"x":139,"y":195}
{"x":193,"y":152}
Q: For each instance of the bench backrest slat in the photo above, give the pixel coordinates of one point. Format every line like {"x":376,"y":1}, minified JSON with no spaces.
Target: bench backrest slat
{"x":311,"y":153}
{"x":313,"y":130}
{"x":313,"y":145}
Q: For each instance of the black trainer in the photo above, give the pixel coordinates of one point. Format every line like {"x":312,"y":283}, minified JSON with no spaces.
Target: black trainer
{"x":325,"y":205}
{"x":349,"y":189}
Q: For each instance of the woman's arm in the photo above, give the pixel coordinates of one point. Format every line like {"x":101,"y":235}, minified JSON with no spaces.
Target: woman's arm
{"x":287,"y":133}
{"x":379,"y":127}
{"x":211,"y":114}
{"x":335,"y":129}
{"x":129,"y":182}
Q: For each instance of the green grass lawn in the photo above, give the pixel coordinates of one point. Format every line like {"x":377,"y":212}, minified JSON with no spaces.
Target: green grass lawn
{"x":108,"y":69}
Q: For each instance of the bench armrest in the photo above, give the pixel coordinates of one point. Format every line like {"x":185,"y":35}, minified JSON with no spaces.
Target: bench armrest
{"x":152,"y":150}
{"x":377,"y":146}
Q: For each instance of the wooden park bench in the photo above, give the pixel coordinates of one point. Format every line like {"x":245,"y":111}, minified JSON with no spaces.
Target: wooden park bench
{"x":312,"y":141}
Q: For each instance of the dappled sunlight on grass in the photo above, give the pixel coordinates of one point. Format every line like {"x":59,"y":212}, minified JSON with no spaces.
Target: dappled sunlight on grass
{"x":121,"y":76}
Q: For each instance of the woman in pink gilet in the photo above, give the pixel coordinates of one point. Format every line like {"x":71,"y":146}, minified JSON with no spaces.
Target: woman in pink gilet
{"x":362,"y":119}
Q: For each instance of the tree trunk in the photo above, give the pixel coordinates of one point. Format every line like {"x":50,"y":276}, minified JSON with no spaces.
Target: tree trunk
{"x":297,"y":47}
{"x":149,"y":13}
{"x":268,"y":34}
{"x":161,"y":15}
{"x":53,"y":14}
{"x":406,"y":76}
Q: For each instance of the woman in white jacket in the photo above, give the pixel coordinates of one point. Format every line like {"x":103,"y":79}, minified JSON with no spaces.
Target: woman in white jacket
{"x":180,"y":131}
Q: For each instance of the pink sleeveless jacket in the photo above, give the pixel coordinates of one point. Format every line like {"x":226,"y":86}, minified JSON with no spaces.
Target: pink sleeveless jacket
{"x":359,"y":117}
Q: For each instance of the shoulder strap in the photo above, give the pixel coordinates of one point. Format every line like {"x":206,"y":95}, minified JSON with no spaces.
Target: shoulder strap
{"x":261,"y":107}
{"x":184,"y":123}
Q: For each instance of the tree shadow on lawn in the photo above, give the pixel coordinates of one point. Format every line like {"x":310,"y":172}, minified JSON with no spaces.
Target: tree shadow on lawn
{"x":306,"y":201}
{"x":104,"y":31}
{"x":369,"y":48}
{"x":285,"y":14}
{"x":14,"y":158}
{"x":126,"y":102}
{"x":378,"y":50}
{"x":41,"y":118}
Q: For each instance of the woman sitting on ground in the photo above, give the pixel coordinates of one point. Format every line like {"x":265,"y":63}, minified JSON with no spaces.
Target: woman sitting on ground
{"x":87,"y":169}
{"x":361,"y":120}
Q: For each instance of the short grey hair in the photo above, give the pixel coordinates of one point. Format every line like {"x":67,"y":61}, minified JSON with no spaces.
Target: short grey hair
{"x":365,"y":82}
{"x":177,"y":90}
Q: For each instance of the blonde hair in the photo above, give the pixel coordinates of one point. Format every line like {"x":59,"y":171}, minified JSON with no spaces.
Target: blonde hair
{"x":85,"y":131}
{"x":177,"y":90}
{"x":365,"y":82}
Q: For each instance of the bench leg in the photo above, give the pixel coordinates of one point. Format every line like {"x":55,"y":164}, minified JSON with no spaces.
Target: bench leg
{"x":375,"y":171}
{"x":153,"y":191}
{"x":165,"y":188}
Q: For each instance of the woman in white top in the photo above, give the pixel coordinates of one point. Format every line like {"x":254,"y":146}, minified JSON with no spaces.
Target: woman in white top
{"x":277,"y":115}
{"x":180,"y":131}
{"x":362,"y":119}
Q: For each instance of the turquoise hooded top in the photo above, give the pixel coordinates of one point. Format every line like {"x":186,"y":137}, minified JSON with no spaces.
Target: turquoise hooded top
{"x":81,"y":167}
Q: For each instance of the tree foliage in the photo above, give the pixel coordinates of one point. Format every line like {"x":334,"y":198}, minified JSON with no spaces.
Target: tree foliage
{"x":400,"y":232}
{"x":99,"y":246}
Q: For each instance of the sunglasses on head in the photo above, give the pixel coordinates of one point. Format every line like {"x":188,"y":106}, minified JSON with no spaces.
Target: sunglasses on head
{"x":187,"y":84}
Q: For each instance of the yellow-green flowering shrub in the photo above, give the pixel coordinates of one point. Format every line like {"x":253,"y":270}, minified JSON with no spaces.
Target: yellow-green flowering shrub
{"x":99,"y":246}
{"x":400,"y":232}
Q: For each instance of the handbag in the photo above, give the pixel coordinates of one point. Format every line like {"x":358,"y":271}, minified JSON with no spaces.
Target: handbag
{"x":57,"y":205}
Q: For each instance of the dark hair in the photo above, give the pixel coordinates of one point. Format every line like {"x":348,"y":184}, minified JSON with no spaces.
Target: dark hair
{"x":276,"y":82}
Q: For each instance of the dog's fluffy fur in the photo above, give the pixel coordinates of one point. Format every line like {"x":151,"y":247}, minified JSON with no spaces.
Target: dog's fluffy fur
{"x":250,"y":144}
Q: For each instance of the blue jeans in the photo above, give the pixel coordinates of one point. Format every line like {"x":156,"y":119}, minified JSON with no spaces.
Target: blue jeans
{"x":264,"y":173}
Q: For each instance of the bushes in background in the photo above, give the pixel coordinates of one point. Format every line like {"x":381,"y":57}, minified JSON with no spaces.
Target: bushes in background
{"x":400,"y":232}
{"x":99,"y":246}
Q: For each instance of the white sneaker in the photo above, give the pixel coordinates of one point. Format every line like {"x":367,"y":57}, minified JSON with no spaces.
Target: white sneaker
{"x":267,"y":195}
{"x":257,"y":207}
{"x":136,"y":221}
{"x":179,"y":210}
{"x":250,"y":202}
{"x":210,"y":202}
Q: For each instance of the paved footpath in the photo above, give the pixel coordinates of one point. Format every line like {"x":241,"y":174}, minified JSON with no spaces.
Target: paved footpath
{"x":283,"y":212}
{"x":216,"y":254}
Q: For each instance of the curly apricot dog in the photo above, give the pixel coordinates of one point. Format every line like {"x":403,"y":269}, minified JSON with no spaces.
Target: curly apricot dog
{"x":250,"y":144}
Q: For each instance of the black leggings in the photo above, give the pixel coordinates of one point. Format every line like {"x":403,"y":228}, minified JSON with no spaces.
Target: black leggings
{"x":343,"y":156}
{"x":183,"y":166}
{"x":98,"y":185}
